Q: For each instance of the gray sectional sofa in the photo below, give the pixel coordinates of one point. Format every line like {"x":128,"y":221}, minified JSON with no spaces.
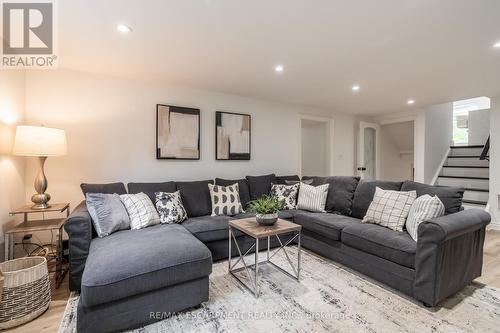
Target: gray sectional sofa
{"x":124,"y":277}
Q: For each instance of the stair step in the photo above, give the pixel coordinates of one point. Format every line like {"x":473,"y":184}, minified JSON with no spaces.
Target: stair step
{"x":476,"y":195}
{"x":465,"y":161}
{"x":465,"y":182}
{"x":467,"y":146}
{"x":475,"y":202}
{"x":466,"y":151}
{"x":466,"y":156}
{"x":465,"y":177}
{"x":467,"y":171}
{"x":466,"y":166}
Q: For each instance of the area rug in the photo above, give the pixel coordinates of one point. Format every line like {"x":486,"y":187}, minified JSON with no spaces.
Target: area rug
{"x":328,"y":298}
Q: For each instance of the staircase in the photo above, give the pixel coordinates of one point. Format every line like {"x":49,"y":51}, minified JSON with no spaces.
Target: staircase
{"x":468,"y":167}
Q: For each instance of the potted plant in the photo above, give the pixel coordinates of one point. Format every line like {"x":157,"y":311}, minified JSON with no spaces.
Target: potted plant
{"x":266,"y":209}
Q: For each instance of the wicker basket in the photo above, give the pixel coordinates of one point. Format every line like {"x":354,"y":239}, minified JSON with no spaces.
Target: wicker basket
{"x":25,"y":293}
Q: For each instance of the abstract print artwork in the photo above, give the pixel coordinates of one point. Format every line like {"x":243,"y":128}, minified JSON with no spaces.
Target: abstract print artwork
{"x":177,"y":132}
{"x":233,"y":133}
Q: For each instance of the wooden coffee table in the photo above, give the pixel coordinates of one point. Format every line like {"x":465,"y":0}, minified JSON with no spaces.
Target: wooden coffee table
{"x":251,"y":228}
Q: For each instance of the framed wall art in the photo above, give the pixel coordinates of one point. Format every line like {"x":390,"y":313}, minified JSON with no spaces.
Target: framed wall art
{"x":232,"y":136}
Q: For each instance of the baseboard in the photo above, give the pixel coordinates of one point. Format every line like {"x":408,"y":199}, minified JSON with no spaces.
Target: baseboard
{"x":494,"y":225}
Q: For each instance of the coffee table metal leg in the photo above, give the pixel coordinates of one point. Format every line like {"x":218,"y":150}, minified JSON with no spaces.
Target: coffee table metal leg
{"x":230,"y":241}
{"x":298,"y":255}
{"x":256,"y":267}
{"x":268,"y":246}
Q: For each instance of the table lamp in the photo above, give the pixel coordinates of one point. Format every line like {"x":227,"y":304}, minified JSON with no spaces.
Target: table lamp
{"x":41,"y":142}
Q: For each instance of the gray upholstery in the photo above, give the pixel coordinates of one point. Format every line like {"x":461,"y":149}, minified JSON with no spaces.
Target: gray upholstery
{"x":383,"y":242}
{"x":196,"y":197}
{"x":282,"y":179}
{"x":118,"y":188}
{"x":340,"y":192}
{"x":450,"y":196}
{"x":108,"y":213}
{"x":151,"y":188}
{"x":327,"y":225}
{"x":209,"y":228}
{"x":133,"y":262}
{"x":363,"y":196}
{"x":260,"y":185}
{"x":242,"y":188}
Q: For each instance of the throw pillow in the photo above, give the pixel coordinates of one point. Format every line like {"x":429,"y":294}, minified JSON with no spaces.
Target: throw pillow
{"x":140,"y":209}
{"x":312,"y":198}
{"x":423,"y":209}
{"x":110,"y":188}
{"x":242,"y":185}
{"x":260,"y":186}
{"x":390,"y":208}
{"x":225,"y":199}
{"x":170,"y":207}
{"x":107,"y":212}
{"x":286,"y":193}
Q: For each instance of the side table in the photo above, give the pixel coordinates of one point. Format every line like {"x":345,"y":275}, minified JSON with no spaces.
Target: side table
{"x":28,"y":226}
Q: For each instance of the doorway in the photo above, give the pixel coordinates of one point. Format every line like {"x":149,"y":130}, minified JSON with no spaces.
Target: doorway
{"x":368,"y":151}
{"x":316,"y":146}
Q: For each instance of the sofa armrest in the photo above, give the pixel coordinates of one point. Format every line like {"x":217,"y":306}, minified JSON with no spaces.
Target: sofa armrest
{"x":449,"y":254}
{"x":78,"y":226}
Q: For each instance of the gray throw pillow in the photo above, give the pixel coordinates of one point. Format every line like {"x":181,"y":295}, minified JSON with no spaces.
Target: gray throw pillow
{"x":107,"y":212}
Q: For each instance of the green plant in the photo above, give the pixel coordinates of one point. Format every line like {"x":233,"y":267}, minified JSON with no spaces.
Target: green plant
{"x":265,"y":205}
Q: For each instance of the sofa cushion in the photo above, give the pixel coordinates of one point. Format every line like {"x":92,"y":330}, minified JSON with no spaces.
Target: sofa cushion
{"x":363,"y":196}
{"x":118,"y":188}
{"x":340,"y":192}
{"x":196,"y":197}
{"x":325,"y":224}
{"x":151,"y":188}
{"x":242,"y":187}
{"x":383,"y":242}
{"x":260,"y":185}
{"x":132,"y":262}
{"x":282,"y":180}
{"x":210,"y":228}
{"x":451,"y":197}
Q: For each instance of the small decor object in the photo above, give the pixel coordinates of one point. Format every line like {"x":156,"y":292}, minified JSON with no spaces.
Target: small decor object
{"x":286,"y":194}
{"x":390,"y":208}
{"x":170,"y":207}
{"x":25,"y":294}
{"x":225,"y":200}
{"x":140,"y":209}
{"x":312,"y":198}
{"x":177,"y":132}
{"x":41,"y":142}
{"x":266,"y":209}
{"x":107,"y":212}
{"x":423,"y":209}
{"x":232,"y":136}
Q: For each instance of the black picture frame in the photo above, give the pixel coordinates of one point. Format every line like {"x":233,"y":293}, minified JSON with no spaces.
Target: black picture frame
{"x":183,"y":110}
{"x":232,"y":156}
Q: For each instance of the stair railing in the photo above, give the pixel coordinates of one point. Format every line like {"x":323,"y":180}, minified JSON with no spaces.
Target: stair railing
{"x":486,"y":149}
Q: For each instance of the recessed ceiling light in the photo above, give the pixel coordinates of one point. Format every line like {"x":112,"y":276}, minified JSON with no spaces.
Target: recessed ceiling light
{"x":355,"y":87}
{"x":279,"y":68}
{"x":124,"y":29}
{"x":496,"y":45}
{"x":410,"y":102}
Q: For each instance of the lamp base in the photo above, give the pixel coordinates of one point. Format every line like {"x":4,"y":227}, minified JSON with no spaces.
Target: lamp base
{"x":40,"y":201}
{"x":40,"y":206}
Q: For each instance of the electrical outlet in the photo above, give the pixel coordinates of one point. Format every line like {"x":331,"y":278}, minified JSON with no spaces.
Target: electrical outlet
{"x":27,"y":237}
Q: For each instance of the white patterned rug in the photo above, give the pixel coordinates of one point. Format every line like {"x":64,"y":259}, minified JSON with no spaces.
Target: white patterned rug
{"x":329,"y":298}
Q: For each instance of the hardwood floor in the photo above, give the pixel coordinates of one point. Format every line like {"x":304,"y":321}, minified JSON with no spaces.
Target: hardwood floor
{"x":49,"y":321}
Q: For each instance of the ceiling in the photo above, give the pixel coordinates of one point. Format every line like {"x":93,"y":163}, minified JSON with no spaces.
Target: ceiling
{"x":427,"y":50}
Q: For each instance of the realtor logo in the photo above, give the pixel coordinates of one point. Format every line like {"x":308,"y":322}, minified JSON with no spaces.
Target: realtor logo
{"x":28,"y":34}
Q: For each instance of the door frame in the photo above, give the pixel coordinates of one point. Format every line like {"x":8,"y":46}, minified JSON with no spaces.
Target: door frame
{"x":363,"y":125}
{"x":330,"y":122}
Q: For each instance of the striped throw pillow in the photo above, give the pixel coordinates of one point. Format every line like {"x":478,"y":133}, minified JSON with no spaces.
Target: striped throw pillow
{"x":390,"y":208}
{"x":312,"y":198}
{"x":423,"y":209}
{"x":140,"y":209}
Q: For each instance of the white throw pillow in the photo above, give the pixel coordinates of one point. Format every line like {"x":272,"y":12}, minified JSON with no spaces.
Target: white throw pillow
{"x":286,"y":194}
{"x":140,"y":209}
{"x":390,"y":208}
{"x":225,"y":199}
{"x":312,"y":198}
{"x":423,"y":209}
{"x":170,"y":207}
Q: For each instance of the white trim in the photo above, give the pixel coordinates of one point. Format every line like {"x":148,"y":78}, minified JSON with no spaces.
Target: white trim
{"x":395,"y":120}
{"x":360,"y":159}
{"x":438,"y":171}
{"x":331,"y":128}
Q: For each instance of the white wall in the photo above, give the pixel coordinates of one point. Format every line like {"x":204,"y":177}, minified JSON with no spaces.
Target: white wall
{"x":438,"y":137}
{"x":12,"y":188}
{"x":495,"y":161}
{"x":110,"y":126}
{"x":396,"y":151}
{"x":479,"y":126}
{"x":314,"y":149}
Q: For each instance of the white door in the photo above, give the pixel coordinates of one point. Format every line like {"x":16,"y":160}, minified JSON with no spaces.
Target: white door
{"x":368,"y":150}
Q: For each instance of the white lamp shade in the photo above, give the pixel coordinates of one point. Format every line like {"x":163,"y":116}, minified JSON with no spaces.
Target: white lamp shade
{"x":39,"y":141}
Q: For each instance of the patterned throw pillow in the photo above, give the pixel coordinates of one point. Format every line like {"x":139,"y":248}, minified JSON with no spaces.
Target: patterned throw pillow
{"x":390,"y":208}
{"x":286,"y":194}
{"x":170,"y":207}
{"x":225,"y":200}
{"x":423,"y":209}
{"x":140,"y":209}
{"x":312,"y":198}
